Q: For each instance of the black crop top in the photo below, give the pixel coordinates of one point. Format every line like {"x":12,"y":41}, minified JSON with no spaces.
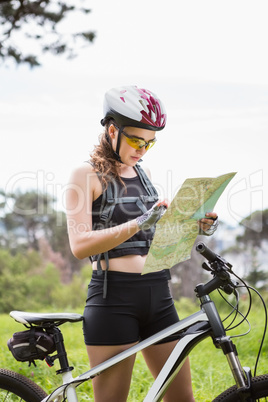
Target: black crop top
{"x":124,"y":212}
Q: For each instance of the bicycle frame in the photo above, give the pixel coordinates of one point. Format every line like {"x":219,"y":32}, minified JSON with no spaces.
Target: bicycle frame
{"x":177,"y":357}
{"x":194,"y":329}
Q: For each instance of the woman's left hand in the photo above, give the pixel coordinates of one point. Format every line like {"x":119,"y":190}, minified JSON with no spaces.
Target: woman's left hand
{"x":209,"y":224}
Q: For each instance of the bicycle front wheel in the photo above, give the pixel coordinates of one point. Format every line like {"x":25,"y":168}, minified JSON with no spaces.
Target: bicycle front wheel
{"x":259,"y":391}
{"x":15,"y":387}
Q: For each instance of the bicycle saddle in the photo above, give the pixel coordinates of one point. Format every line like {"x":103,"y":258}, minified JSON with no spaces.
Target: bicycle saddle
{"x":25,"y":318}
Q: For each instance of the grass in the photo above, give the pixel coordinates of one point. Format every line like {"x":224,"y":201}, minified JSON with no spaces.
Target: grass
{"x":210,"y":372}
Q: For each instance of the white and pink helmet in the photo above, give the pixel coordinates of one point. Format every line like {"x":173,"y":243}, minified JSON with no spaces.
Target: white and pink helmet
{"x":133,"y":106}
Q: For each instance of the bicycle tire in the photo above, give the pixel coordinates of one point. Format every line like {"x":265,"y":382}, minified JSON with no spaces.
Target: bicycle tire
{"x":259,"y":391}
{"x":16,"y":387}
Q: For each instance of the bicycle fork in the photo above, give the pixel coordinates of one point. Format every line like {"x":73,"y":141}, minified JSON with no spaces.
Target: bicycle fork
{"x":242,"y":375}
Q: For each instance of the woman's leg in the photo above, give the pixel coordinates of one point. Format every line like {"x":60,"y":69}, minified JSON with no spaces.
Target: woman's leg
{"x":113,"y":384}
{"x":180,"y":389}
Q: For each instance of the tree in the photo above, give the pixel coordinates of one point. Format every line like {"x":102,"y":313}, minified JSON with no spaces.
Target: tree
{"x":29,"y":221}
{"x":31,"y":216}
{"x":256,"y":228}
{"x":256,"y":277}
{"x":8,"y":234}
{"x":38,"y":21}
{"x":253,"y":241}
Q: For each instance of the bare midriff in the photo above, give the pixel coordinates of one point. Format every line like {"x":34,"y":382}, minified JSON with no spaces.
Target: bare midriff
{"x":127,"y":263}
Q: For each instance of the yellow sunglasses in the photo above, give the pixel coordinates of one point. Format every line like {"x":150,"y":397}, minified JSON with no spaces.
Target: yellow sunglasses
{"x":138,"y":143}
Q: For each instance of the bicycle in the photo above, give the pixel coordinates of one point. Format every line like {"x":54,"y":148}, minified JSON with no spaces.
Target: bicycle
{"x":194,"y":329}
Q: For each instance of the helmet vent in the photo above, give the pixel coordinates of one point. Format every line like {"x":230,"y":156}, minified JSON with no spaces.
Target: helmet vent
{"x":143,"y":104}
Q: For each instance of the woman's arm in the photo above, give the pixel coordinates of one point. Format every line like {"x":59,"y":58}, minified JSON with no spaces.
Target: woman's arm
{"x":84,"y":241}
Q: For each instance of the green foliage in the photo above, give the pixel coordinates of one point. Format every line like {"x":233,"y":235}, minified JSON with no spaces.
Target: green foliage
{"x":14,"y":274}
{"x":73,"y":294}
{"x":186,"y":306}
{"x":33,"y":275}
{"x":39,"y":21}
{"x":28,"y":284}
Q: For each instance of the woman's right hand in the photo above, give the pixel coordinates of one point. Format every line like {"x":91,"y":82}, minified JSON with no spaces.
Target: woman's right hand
{"x":152,"y":216}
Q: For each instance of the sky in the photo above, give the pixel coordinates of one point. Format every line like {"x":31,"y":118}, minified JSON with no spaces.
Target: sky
{"x":207,"y":60}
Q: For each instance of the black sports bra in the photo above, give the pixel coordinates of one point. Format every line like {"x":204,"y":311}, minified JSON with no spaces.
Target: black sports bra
{"x":132,"y":201}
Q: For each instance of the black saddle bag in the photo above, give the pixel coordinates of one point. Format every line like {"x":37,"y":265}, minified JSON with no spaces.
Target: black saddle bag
{"x":31,"y":345}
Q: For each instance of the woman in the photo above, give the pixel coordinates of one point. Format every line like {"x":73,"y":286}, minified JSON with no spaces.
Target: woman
{"x":112,"y":209}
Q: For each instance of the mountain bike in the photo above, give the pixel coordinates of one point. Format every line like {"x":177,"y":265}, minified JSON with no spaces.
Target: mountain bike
{"x":191,"y":330}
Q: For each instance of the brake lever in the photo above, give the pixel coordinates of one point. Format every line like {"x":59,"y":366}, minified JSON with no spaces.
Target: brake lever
{"x":206,"y":267}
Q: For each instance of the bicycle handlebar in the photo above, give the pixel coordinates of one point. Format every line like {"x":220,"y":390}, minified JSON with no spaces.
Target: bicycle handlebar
{"x":220,"y":269}
{"x":206,"y":252}
{"x":212,"y":257}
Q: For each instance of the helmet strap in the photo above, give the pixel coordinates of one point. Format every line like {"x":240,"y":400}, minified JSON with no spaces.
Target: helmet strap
{"x":116,"y":152}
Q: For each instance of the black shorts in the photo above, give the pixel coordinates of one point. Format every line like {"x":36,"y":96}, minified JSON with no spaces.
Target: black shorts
{"x":136,"y":307}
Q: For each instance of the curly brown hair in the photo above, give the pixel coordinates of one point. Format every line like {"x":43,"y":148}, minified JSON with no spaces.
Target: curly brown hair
{"x":103,"y":160}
